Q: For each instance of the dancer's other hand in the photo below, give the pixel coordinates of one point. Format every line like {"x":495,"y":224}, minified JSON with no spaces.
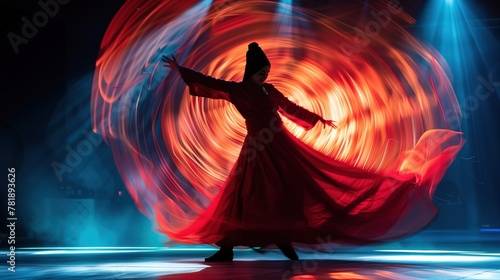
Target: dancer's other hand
{"x":171,"y":62}
{"x":329,"y":123}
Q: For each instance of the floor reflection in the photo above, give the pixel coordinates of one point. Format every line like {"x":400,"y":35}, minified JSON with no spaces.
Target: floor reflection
{"x":165,"y":263}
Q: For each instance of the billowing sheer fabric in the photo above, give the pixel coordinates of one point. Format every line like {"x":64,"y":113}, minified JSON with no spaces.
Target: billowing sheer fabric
{"x":282,"y":190}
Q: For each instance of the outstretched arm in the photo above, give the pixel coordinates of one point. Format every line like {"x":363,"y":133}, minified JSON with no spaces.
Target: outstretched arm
{"x":200,"y":84}
{"x":298,"y":114}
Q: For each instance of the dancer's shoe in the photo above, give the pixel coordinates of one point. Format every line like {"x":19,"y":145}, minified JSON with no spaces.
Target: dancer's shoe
{"x":288,"y":251}
{"x":225,"y":254}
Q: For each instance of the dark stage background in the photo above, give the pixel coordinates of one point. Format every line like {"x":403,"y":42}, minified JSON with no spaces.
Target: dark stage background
{"x":45,"y":125}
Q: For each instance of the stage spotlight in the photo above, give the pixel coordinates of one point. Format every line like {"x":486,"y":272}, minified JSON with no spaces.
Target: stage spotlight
{"x":468,"y":44}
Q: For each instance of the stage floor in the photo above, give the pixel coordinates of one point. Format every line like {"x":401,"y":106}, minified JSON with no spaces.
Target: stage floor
{"x":482,"y":262}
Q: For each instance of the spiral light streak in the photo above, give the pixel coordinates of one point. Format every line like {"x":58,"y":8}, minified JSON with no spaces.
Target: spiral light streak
{"x":174,"y":151}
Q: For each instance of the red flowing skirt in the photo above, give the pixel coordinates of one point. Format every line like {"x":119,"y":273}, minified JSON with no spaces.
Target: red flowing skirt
{"x":281,"y":190}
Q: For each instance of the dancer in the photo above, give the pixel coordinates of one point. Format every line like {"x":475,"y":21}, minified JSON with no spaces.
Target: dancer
{"x":281,"y":191}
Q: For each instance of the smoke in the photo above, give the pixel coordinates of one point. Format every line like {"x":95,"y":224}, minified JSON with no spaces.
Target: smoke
{"x":68,"y":192}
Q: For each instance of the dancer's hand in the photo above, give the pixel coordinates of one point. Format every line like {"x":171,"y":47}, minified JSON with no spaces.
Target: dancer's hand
{"x":329,"y":123}
{"x":171,"y":62}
